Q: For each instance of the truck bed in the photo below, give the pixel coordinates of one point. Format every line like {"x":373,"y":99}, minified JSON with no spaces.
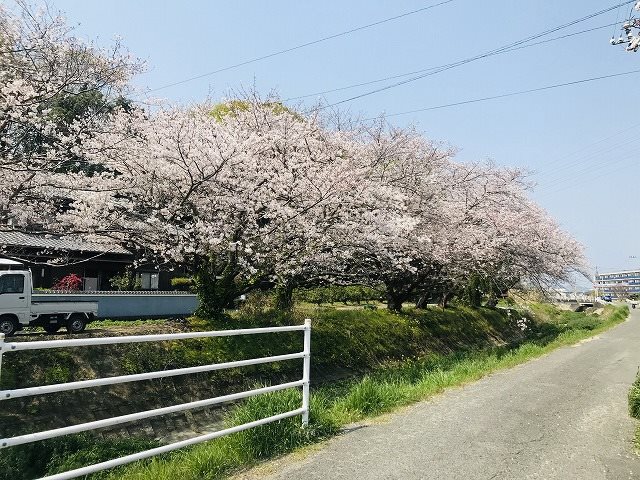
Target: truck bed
{"x":64,"y":307}
{"x":127,"y":305}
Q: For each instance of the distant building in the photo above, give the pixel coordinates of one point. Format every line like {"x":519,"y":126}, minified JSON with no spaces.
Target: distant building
{"x":51,"y":257}
{"x":564,"y":295}
{"x":618,"y":284}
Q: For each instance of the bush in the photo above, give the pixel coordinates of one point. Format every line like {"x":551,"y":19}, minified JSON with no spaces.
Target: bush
{"x":182,"y":283}
{"x":369,"y":397}
{"x":587,"y":323}
{"x":634,"y":399}
{"x":255,"y":305}
{"x":71,"y":282}
{"x":126,"y":282}
{"x":634,"y":408}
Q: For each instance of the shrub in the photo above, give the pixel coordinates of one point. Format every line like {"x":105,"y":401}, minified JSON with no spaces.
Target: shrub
{"x":634,"y":399}
{"x":369,"y":397}
{"x":128,"y":281}
{"x":182,"y":283}
{"x":587,"y":323}
{"x":71,"y":282}
{"x":256,"y":304}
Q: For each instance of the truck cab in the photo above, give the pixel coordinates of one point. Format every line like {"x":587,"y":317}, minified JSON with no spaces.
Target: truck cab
{"x":17,"y":309}
{"x":13,"y":296}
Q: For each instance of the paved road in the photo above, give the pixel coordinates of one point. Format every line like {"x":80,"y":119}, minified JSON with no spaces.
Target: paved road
{"x":563,"y":416}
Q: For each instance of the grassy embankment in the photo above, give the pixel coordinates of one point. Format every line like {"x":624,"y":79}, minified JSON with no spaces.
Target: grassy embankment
{"x":406,"y":358}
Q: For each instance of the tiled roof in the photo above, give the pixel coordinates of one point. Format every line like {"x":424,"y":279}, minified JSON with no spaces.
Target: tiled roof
{"x":56,"y":242}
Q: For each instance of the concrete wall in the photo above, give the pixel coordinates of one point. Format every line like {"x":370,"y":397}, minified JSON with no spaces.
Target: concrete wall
{"x":130,"y":305}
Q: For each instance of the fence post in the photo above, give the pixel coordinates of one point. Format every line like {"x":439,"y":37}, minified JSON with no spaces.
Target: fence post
{"x":306,"y":370}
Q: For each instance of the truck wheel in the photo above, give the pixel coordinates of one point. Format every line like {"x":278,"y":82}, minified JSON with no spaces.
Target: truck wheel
{"x":8,"y":325}
{"x":51,"y":328}
{"x":76,"y":323}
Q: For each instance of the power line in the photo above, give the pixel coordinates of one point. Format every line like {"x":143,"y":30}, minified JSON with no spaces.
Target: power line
{"x":554,"y":179}
{"x":482,"y":55}
{"x":591,"y":150}
{"x":602,"y":170}
{"x":595,"y":164}
{"x":590,"y":167}
{"x":596,"y":161}
{"x":303,"y":45}
{"x":594,"y":157}
{"x":401,"y":75}
{"x":511,"y":94}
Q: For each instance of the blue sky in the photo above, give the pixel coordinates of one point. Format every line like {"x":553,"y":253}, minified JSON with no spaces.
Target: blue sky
{"x":581,"y":142}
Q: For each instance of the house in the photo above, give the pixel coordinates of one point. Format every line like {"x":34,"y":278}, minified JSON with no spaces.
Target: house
{"x":52,"y":257}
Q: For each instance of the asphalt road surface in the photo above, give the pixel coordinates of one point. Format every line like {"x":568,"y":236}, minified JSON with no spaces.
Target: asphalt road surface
{"x":562,"y":416}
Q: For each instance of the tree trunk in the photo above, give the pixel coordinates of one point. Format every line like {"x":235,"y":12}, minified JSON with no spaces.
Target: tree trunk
{"x":284,"y":296}
{"x":394,"y":301}
{"x":216,"y":290}
{"x":422,"y":301}
{"x":473,"y":293}
{"x":492,"y":301}
{"x":444,"y":299}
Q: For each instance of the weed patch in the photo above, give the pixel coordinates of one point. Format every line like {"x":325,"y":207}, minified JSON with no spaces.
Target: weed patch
{"x":634,"y":399}
{"x":634,"y":408}
{"x":49,"y":457}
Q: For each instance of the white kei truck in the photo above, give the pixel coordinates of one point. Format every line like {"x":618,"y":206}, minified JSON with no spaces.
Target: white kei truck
{"x":18,"y":309}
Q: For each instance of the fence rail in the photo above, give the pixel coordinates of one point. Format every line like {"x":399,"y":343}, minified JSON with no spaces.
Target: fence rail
{"x":305,"y":354}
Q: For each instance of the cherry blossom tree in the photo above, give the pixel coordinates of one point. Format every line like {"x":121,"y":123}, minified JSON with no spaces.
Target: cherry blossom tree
{"x":254,"y":195}
{"x":497,"y":235}
{"x":43,"y":66}
{"x":388,"y":236}
{"x":245,"y":198}
{"x":446,"y":223}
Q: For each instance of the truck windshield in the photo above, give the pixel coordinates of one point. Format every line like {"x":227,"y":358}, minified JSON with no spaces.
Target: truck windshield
{"x":12,"y":284}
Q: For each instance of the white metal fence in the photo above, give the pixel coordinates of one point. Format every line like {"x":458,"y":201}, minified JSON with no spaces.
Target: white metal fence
{"x":305,"y":354}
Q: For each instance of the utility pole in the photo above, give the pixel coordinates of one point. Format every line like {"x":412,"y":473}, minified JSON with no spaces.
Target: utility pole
{"x":631,"y":37}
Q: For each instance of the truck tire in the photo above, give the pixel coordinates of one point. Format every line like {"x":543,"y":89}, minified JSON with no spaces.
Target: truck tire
{"x":8,"y":325}
{"x":51,"y":327}
{"x":76,"y":323}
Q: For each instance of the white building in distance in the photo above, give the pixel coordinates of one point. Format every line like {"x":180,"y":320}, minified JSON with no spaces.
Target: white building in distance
{"x":617,"y":284}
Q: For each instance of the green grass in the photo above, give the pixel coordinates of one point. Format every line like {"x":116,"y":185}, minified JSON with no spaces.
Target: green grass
{"x":62,"y":454}
{"x":332,"y":407}
{"x":634,"y":407}
{"x":351,"y":341}
{"x":102,"y":324}
{"x":634,"y":399}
